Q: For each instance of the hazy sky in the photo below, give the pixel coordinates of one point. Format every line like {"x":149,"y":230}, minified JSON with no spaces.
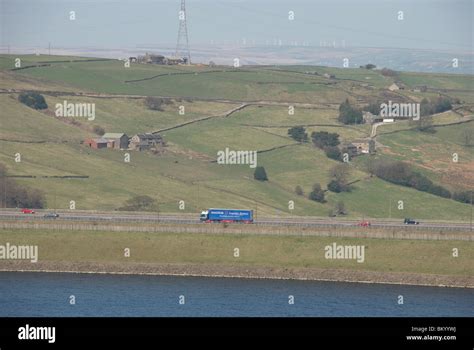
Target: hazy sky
{"x":427,"y":24}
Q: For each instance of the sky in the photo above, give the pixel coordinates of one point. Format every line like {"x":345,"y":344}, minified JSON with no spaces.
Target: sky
{"x":427,"y":24}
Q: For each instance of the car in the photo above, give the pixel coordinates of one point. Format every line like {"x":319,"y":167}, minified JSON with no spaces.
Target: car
{"x":409,"y":221}
{"x":51,"y":215}
{"x":27,"y":211}
{"x":364,"y":223}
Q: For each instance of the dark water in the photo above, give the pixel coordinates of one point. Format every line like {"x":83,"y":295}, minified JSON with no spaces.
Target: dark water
{"x":47,"y":294}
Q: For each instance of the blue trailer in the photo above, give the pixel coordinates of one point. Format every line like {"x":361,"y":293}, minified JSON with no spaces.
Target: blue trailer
{"x":227,"y":215}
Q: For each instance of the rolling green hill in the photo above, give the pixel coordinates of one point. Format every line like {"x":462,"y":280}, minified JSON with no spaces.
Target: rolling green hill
{"x":51,"y":146}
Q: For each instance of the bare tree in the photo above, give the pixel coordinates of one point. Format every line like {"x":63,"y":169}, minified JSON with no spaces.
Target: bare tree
{"x":468,"y":136}
{"x":340,"y":173}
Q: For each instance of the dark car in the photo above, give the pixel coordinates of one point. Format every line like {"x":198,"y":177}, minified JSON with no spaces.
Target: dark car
{"x":409,"y":221}
{"x":51,"y":215}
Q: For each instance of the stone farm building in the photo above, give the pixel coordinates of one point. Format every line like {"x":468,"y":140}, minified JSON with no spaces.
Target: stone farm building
{"x":116,"y":140}
{"x":96,"y":143}
{"x":358,"y":147}
{"x":142,"y":142}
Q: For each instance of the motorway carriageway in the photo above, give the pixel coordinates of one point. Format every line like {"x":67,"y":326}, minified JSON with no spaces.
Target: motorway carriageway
{"x":118,"y":217}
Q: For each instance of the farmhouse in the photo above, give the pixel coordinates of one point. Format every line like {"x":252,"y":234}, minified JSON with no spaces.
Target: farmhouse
{"x":151,"y":59}
{"x":142,"y":142}
{"x":370,"y":118}
{"x":116,"y":140}
{"x":361,"y":146}
{"x":394,"y":87}
{"x":160,"y":59}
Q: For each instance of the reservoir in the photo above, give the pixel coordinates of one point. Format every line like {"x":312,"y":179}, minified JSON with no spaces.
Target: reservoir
{"x":30,"y":294}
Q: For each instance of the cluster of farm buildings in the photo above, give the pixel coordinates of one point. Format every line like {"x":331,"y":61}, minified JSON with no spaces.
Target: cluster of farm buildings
{"x":158,"y":59}
{"x":138,"y":142}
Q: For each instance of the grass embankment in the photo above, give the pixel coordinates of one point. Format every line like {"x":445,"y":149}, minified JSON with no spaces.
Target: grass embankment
{"x":217,"y":250}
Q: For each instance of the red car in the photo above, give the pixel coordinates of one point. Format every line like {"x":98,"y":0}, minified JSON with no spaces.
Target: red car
{"x":27,"y":211}
{"x":364,"y":224}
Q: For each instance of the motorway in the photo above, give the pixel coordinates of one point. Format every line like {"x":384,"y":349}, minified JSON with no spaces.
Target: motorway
{"x":127,"y":217}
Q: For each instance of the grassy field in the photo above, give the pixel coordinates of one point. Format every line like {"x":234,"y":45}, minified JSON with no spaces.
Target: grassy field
{"x":442,"y":81}
{"x":428,"y":257}
{"x":51,"y":146}
{"x":433,"y":153}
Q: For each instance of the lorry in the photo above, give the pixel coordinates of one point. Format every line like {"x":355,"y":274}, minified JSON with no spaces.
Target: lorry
{"x":227,"y":215}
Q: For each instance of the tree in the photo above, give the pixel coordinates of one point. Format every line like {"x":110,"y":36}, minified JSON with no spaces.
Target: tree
{"x":260,"y":174}
{"x":155,"y":103}
{"x":140,"y":203}
{"x":334,"y":186}
{"x":14,"y":195}
{"x":442,"y":104}
{"x":369,"y":66}
{"x":317,"y":194}
{"x":424,"y":124}
{"x":426,"y":107}
{"x":464,"y":197}
{"x":298,"y":133}
{"x":388,"y":72}
{"x":299,"y":190}
{"x":373,"y":108}
{"x":333,"y":153}
{"x":339,"y":174}
{"x":33,"y":100}
{"x":98,"y":130}
{"x":340,"y":208}
{"x":349,"y":114}
{"x":322,"y":139}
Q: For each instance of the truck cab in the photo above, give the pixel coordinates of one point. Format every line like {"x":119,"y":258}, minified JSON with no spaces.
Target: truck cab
{"x":204,"y":215}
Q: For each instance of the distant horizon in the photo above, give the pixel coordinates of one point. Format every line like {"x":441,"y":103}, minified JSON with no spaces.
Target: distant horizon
{"x":401,"y":59}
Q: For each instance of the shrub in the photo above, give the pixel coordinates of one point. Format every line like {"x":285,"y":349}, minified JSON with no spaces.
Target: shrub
{"x":322,"y":139}
{"x":334,"y":186}
{"x":154,"y":103}
{"x":298,"y":133}
{"x":33,"y":100}
{"x":140,"y":203}
{"x":333,"y":153}
{"x":299,"y":190}
{"x":317,"y":194}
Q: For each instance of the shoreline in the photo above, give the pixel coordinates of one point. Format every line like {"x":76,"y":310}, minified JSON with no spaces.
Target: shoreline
{"x":247,"y":273}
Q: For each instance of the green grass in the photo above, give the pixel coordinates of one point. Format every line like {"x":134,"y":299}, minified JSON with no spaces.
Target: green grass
{"x":214,"y":135}
{"x":20,"y":122}
{"x":185,"y":171}
{"x":428,"y":257}
{"x":131,"y":116}
{"x":375,"y":196}
{"x":432,"y":154}
{"x":442,"y":81}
